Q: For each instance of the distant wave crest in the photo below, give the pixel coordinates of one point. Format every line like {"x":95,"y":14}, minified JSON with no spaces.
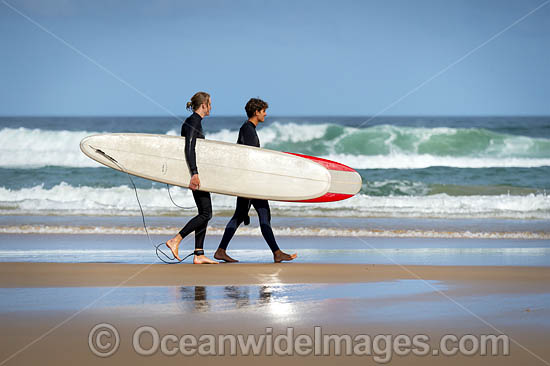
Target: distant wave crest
{"x":376,"y":147}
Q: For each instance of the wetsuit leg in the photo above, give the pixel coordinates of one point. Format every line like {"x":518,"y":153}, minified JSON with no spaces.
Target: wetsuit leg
{"x":264,"y":214}
{"x":199,"y":223}
{"x":241,"y":212}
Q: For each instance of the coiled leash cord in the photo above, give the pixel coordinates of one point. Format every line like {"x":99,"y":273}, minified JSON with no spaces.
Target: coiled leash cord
{"x":169,"y":259}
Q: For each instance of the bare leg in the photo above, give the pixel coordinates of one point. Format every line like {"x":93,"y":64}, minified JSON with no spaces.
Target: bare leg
{"x":174,"y":244}
{"x":202,"y":259}
{"x":222,"y":256}
{"x":279,"y":256}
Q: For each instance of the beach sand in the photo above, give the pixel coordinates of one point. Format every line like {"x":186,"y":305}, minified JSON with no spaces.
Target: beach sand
{"x":25,"y":274}
{"x":48,"y":309}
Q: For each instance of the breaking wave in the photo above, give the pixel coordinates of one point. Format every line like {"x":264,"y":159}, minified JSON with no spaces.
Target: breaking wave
{"x":376,"y":147}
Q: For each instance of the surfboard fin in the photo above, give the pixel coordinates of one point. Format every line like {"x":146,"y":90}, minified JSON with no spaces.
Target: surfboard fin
{"x":102,"y":153}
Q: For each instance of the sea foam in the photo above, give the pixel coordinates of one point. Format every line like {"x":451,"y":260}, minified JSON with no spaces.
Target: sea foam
{"x":68,"y":200}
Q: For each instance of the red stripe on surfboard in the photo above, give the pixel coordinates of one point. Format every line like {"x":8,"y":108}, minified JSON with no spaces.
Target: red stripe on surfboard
{"x":329,"y":164}
{"x":329,"y":197}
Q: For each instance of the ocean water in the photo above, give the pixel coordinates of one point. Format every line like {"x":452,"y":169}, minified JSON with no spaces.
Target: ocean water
{"x":412,"y":167}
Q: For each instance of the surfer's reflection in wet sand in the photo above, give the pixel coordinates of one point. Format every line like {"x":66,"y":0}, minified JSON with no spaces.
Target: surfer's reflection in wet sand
{"x":238,"y":295}
{"x":235,"y":297}
{"x":264,"y":295}
{"x":196,"y":296}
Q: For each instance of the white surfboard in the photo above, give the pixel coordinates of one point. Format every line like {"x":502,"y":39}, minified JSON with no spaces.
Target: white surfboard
{"x":225,"y":168}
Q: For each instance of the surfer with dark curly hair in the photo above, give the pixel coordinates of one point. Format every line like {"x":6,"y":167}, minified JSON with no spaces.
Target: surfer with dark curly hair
{"x":191,"y":129}
{"x":256,"y":112}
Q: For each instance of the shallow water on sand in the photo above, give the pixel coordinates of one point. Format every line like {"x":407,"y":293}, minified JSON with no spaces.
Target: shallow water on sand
{"x":299,"y":304}
{"x":205,"y":298}
{"x":406,"y":251}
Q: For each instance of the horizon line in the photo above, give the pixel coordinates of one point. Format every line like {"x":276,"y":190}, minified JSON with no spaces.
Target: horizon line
{"x":272,"y":116}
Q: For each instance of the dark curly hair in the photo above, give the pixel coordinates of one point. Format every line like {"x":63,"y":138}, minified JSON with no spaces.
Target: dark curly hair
{"x":253,"y":105}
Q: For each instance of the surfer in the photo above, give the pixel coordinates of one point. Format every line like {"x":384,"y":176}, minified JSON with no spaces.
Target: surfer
{"x":191,"y":129}
{"x":256,"y":112}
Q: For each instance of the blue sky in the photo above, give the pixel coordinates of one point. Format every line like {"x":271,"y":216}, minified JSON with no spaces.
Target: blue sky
{"x":303,"y":57}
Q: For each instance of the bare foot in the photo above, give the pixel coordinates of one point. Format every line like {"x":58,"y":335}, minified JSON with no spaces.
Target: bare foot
{"x":173,"y":245}
{"x":202,"y":259}
{"x":221,"y":255}
{"x":280,"y":256}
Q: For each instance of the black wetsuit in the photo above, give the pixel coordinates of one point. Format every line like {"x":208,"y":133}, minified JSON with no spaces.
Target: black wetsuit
{"x":248,"y":136}
{"x":192,"y":130}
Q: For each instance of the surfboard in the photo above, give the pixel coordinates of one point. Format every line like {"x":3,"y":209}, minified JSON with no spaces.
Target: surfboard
{"x":225,"y":168}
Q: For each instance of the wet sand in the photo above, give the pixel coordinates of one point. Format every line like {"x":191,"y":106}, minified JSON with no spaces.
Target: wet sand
{"x":48,"y":309}
{"x":24,"y":274}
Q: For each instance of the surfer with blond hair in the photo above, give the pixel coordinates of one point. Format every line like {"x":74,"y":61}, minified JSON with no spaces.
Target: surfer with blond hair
{"x":191,"y":129}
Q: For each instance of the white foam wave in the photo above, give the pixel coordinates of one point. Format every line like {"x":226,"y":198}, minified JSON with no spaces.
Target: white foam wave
{"x":29,"y":148}
{"x":121,"y":200}
{"x":23,"y":147}
{"x":532,"y":206}
{"x":288,"y":132}
{"x":292,"y":132}
{"x":115,"y":200}
{"x":34,"y":148}
{"x":411,"y":161}
{"x":224,"y":135}
{"x":278,"y":231}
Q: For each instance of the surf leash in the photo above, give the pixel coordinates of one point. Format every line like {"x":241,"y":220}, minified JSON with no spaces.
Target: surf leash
{"x":158,"y":251}
{"x":175,"y":204}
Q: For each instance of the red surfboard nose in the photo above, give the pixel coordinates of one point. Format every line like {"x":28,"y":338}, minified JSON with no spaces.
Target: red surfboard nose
{"x":343,"y":179}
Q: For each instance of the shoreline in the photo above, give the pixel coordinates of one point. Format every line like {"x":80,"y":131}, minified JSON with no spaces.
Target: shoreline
{"x":136,"y":249}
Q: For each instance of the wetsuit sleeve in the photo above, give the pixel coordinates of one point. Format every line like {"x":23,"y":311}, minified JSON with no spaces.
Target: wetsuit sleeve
{"x":191,"y":132}
{"x":190,"y":156}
